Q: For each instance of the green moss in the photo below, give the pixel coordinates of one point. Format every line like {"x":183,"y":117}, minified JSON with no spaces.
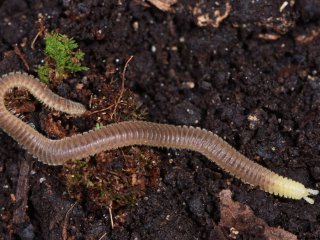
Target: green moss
{"x":62,"y":58}
{"x":99,"y":125}
{"x":43,"y":73}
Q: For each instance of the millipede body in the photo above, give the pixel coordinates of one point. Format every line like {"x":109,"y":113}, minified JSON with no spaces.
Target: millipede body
{"x":57,"y":152}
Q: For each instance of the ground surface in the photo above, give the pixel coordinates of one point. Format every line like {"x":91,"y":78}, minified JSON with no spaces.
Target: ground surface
{"x":248,"y":71}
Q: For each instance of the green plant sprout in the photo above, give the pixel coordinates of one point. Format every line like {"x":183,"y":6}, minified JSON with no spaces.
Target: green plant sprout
{"x":99,"y":125}
{"x":62,"y":58}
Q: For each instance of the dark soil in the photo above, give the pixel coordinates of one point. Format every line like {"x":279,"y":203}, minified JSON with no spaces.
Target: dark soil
{"x":252,"y":77}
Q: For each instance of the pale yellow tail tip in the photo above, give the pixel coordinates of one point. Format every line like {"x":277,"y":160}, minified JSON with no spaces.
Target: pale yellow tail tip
{"x":309,"y":200}
{"x":311,"y":192}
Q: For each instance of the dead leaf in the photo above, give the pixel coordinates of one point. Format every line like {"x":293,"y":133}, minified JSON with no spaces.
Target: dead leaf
{"x":205,"y":16}
{"x":308,"y":37}
{"x":164,"y":5}
{"x":237,"y":217}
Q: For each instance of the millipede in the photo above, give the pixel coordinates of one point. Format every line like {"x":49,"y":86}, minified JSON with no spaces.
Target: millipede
{"x":117,"y":135}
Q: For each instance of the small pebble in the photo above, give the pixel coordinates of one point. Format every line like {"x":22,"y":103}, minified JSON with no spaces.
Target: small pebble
{"x":315,"y":172}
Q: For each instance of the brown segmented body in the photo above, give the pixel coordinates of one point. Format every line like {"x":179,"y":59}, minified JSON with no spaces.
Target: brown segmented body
{"x":57,"y":152}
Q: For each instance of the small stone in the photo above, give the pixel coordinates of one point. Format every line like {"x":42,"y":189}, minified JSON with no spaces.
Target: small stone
{"x":79,"y":86}
{"x":315,"y":172}
{"x":28,"y":233}
{"x":185,"y":113}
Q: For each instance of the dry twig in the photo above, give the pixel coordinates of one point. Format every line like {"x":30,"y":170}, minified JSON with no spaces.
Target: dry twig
{"x":65,"y":223}
{"x":19,"y":215}
{"x":21,"y":56}
{"x":123,"y":75}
